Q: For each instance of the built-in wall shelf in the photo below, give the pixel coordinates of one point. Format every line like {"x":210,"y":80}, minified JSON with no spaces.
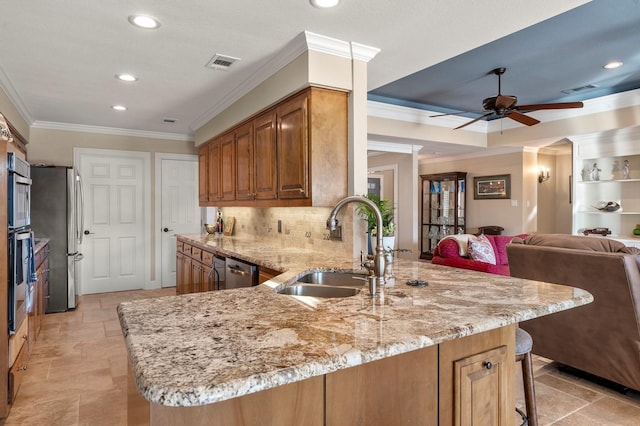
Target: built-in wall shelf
{"x":603,"y":176}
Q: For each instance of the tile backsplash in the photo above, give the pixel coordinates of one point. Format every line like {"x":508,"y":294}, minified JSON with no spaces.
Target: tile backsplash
{"x":303,"y":227}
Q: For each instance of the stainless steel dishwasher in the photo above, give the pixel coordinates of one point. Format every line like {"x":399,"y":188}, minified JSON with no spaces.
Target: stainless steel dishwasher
{"x":239,"y":274}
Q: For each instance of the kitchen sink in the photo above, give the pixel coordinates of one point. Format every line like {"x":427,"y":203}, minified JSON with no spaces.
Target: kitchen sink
{"x":340,"y":279}
{"x":319,"y":291}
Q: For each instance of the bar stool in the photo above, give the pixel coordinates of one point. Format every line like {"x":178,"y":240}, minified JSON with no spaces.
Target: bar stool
{"x":524,"y":344}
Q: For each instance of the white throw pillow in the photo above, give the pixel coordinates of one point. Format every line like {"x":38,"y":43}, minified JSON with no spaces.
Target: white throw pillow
{"x":480,"y":249}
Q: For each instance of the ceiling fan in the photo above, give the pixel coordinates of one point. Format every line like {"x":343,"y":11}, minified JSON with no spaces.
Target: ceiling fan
{"x":505,"y":106}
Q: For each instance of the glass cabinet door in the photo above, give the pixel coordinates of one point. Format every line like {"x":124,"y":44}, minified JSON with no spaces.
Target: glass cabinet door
{"x":443,"y":209}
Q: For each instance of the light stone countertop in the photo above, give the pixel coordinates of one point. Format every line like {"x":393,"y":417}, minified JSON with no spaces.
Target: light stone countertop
{"x":202,"y":348}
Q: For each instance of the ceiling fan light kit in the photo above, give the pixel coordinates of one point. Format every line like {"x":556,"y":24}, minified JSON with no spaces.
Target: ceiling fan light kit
{"x":506,"y":106}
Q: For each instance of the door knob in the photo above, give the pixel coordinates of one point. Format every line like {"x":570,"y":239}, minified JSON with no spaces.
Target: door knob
{"x":167,"y":230}
{"x":87,"y":232}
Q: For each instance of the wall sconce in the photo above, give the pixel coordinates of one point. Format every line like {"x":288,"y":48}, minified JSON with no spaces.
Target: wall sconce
{"x":544,"y":175}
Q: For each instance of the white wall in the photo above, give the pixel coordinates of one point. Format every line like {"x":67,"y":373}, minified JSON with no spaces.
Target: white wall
{"x":512,"y":214}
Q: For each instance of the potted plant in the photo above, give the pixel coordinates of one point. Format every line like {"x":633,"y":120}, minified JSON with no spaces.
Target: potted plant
{"x":388,"y":225}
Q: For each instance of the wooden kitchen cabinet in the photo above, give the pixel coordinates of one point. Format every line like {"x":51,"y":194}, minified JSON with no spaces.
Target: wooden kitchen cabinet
{"x":264,"y":157}
{"x":193,"y":269}
{"x":228,"y":167}
{"x":21,"y":344}
{"x":445,"y":384}
{"x":183,"y":273}
{"x":213,"y":171}
{"x":477,"y":384}
{"x":203,"y":181}
{"x":293,"y":148}
{"x":398,"y":390}
{"x":245,"y":187}
{"x":291,"y":154}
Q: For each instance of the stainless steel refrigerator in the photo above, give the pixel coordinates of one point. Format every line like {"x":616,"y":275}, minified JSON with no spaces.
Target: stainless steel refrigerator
{"x":56,"y":214}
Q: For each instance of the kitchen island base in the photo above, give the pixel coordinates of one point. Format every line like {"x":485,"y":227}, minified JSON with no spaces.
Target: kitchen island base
{"x":469,"y":380}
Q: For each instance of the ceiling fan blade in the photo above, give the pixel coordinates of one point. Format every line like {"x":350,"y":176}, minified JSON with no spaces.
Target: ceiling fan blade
{"x":505,"y":102}
{"x":474,"y":120}
{"x":521,"y":118}
{"x":557,"y":105}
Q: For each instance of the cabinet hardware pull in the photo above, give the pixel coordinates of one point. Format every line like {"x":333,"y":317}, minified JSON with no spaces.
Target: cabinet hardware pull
{"x":488,"y":365}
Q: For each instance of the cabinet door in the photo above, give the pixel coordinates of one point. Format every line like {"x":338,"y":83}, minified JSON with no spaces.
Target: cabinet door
{"x":197,"y":281}
{"x":228,"y":167}
{"x":293,"y":148}
{"x":479,"y":384}
{"x":213,"y":171}
{"x":244,"y":163}
{"x":203,"y":190}
{"x":183,"y":273}
{"x":264,"y":156}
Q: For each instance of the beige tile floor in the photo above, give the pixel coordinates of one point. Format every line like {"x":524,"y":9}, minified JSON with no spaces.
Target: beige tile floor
{"x":77,"y":376}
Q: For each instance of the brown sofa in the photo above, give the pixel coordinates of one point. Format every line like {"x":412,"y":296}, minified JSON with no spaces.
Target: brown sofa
{"x":602,"y":338}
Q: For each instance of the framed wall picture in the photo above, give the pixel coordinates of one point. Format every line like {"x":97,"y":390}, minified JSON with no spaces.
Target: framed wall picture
{"x":492,"y":187}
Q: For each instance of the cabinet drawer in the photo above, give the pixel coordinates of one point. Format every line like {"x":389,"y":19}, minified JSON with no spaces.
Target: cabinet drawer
{"x":17,"y":341}
{"x":16,"y":373}
{"x":186,"y":248}
{"x":179,"y":246}
{"x":196,"y":252}
{"x":207,"y":257}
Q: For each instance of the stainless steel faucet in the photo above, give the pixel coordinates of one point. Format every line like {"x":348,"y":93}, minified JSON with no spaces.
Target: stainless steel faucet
{"x":332,"y":224}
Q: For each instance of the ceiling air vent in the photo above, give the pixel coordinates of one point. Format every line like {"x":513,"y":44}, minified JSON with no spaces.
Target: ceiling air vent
{"x":169,"y":120}
{"x":221,"y":62}
{"x":580,"y":89}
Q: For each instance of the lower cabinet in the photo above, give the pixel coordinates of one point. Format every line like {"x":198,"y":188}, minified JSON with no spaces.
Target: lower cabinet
{"x":462,"y":382}
{"x":22,"y":342}
{"x":477,"y":375}
{"x":193,"y":269}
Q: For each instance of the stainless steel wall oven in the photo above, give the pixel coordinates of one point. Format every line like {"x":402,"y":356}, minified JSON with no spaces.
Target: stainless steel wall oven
{"x":20,"y":288}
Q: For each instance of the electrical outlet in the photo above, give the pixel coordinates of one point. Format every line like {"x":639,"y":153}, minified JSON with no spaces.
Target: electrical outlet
{"x":279,"y":227}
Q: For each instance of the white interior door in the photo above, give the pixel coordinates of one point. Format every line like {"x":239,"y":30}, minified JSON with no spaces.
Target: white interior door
{"x":180,"y":213}
{"x":115,"y":244}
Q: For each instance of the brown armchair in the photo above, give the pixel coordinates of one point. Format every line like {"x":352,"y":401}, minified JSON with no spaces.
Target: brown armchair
{"x":602,"y":338}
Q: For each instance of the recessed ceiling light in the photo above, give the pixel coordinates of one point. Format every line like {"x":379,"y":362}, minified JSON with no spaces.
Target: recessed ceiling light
{"x":324,"y":4}
{"x":612,"y":65}
{"x":119,"y":107}
{"x":126,"y":77}
{"x":144,"y":21}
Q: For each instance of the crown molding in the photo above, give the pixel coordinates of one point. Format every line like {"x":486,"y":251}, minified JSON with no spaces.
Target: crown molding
{"x":14,"y":97}
{"x":361,"y":52}
{"x":479,"y":153}
{"x":51,"y":125}
{"x":397,"y":148}
{"x":421,"y":116}
{"x":328,"y":45}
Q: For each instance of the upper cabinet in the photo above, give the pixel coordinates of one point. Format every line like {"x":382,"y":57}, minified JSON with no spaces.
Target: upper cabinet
{"x":292,"y":154}
{"x":293,"y":148}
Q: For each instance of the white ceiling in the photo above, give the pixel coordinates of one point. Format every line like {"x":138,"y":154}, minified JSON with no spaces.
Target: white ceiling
{"x":59,"y":59}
